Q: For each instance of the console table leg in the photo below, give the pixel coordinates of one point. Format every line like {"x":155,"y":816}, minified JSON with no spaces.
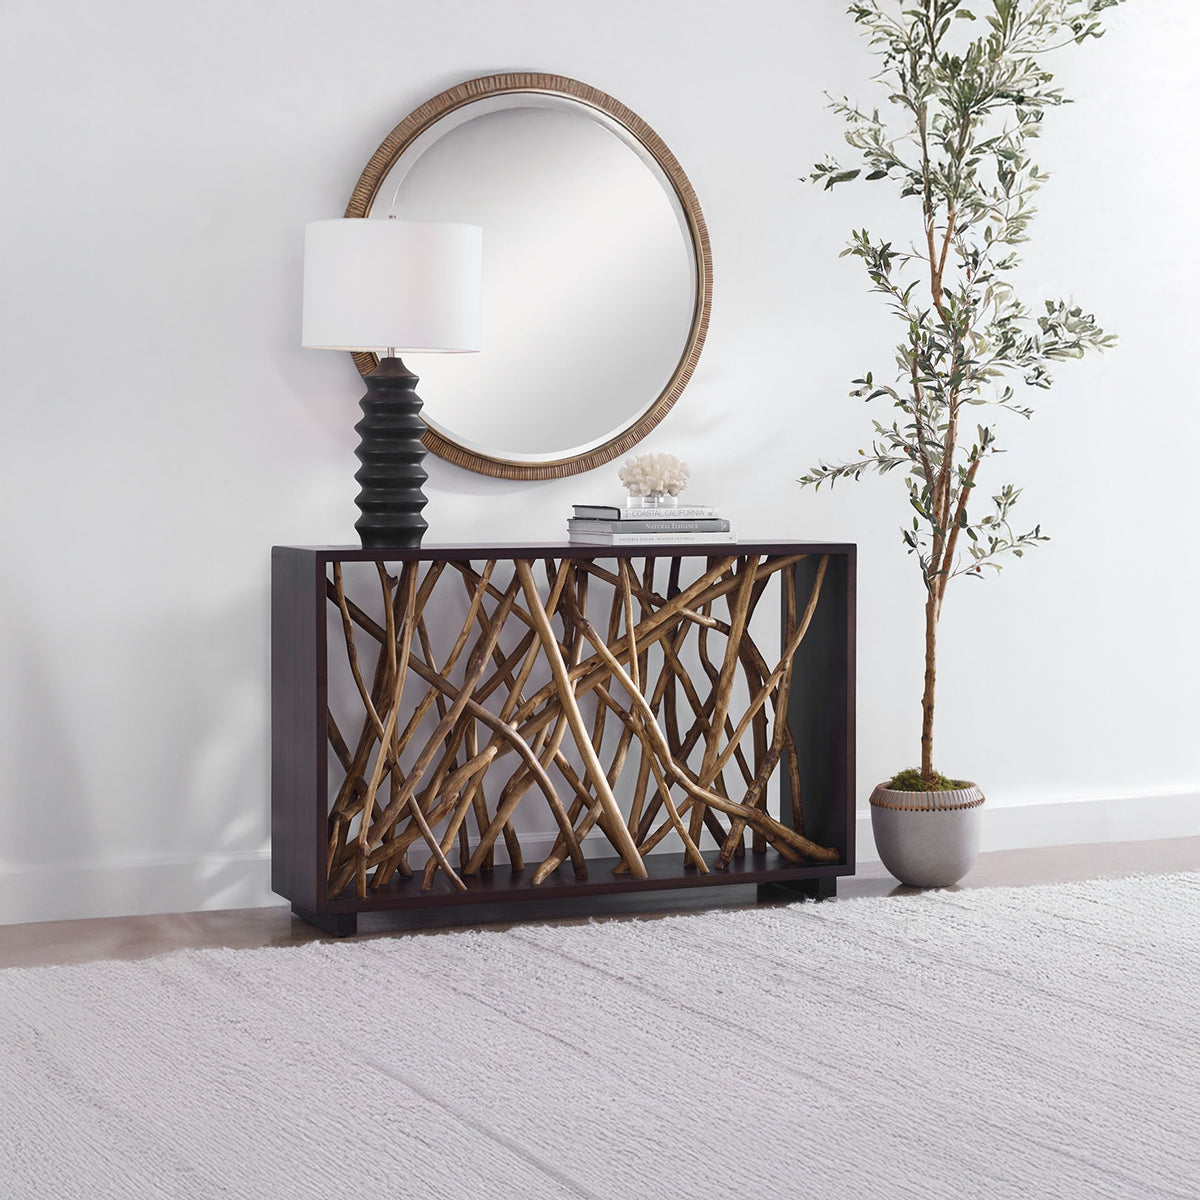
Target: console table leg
{"x":822,"y":888}
{"x":338,"y":924}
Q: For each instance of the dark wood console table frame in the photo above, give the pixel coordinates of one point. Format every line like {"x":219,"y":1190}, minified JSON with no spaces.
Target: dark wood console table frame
{"x":329,"y":865}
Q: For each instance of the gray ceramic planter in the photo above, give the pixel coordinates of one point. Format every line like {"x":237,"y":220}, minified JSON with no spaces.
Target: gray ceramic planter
{"x":927,"y":839}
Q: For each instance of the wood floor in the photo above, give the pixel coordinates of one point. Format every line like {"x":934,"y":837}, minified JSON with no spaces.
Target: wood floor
{"x":59,"y":942}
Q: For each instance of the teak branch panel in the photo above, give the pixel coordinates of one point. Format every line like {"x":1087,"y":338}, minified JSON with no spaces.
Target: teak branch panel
{"x":497,"y":678}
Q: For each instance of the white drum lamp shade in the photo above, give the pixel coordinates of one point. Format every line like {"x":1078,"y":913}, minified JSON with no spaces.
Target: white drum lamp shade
{"x":383,"y":284}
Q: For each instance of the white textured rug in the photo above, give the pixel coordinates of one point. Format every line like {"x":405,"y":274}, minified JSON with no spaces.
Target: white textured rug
{"x":1024,"y":1043}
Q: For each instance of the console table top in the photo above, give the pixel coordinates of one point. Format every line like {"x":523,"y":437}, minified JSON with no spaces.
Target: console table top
{"x":464,"y":551}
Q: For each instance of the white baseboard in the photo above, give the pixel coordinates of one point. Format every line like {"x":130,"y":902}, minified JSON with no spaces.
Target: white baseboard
{"x":137,"y":887}
{"x":183,"y":883}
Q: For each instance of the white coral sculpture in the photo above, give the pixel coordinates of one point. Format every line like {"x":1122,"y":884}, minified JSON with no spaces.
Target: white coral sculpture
{"x":654,"y":474}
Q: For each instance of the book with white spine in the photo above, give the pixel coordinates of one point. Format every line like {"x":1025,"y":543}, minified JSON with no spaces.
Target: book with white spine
{"x":683,"y":525}
{"x":650,"y":539}
{"x":613,"y":512}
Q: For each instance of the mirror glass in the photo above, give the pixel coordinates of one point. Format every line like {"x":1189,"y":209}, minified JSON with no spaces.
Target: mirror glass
{"x":592,"y":277}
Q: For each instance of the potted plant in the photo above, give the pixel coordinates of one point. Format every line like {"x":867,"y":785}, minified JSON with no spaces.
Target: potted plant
{"x":966,"y":94}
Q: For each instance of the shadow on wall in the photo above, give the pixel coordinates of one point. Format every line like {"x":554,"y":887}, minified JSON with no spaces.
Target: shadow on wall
{"x":211,"y":779}
{"x":47,"y":817}
{"x":156,"y":797}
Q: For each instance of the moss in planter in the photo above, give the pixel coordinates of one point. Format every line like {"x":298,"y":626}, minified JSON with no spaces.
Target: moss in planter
{"x":913,"y":781}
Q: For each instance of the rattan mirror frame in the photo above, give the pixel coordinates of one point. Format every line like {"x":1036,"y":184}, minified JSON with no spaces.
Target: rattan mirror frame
{"x":485,"y":87}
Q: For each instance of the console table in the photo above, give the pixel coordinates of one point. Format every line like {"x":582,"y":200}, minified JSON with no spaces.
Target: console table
{"x":431,"y":705}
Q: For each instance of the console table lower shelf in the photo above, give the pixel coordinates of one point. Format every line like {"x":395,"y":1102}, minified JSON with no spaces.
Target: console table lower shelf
{"x":772,"y":873}
{"x":421,"y":697}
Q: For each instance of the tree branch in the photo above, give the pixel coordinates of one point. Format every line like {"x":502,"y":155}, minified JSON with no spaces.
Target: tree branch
{"x":960,"y":516}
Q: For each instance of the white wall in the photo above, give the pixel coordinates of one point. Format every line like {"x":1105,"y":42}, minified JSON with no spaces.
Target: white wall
{"x":162,"y":428}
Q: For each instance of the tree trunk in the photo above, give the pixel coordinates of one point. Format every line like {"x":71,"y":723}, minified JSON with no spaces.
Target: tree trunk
{"x":930,"y":685}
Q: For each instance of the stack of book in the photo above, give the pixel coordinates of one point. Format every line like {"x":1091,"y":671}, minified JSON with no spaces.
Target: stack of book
{"x":608,"y":525}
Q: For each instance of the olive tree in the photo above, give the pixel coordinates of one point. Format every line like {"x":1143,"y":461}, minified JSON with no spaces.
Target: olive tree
{"x":965,"y":95}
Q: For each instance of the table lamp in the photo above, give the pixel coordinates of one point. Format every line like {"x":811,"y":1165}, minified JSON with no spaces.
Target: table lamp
{"x":390,"y":286}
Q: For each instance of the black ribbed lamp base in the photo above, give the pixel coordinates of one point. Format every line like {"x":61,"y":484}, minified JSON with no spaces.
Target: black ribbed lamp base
{"x":391,"y":454}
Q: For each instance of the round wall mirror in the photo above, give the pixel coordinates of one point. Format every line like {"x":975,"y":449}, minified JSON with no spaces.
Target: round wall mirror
{"x":597,"y":270}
